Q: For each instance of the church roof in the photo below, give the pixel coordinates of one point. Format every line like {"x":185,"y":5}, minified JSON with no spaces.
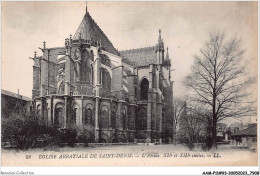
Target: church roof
{"x":89,"y":30}
{"x":140,"y":56}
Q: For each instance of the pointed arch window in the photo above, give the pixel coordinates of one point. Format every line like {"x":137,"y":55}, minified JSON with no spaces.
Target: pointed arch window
{"x":38,"y":110}
{"x":124,"y":119}
{"x":113,"y":117}
{"x":58,"y":120}
{"x":75,"y":114}
{"x":58,"y":116}
{"x":104,"y":118}
{"x":88,"y":75}
{"x":91,"y":75}
{"x":91,"y":56}
{"x":88,"y":117}
{"x":144,"y":89}
{"x":105,"y":79}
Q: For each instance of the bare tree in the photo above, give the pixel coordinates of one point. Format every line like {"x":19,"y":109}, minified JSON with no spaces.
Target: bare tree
{"x":219,"y":80}
{"x":178,"y":110}
{"x":193,"y":121}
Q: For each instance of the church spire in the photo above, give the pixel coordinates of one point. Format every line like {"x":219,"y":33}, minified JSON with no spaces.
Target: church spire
{"x":160,"y":45}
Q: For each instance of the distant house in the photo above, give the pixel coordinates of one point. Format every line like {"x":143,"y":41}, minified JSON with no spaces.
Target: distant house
{"x":10,"y":100}
{"x":246,"y":137}
{"x":232,"y":129}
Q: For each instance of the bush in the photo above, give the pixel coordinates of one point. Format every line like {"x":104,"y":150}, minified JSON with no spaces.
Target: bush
{"x":207,"y":145}
{"x":25,"y":131}
{"x":186,"y":142}
{"x":68,"y":136}
{"x":86,"y":134}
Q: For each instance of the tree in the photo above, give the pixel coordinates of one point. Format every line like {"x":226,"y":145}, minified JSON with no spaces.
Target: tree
{"x":178,"y":109}
{"x":23,"y":130}
{"x":219,"y":80}
{"x":193,"y":122}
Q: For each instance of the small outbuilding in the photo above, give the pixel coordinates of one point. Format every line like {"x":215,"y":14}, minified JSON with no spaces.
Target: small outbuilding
{"x":246,"y":137}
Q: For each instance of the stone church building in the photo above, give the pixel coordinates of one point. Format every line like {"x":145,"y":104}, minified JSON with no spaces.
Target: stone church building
{"x":118,"y":96}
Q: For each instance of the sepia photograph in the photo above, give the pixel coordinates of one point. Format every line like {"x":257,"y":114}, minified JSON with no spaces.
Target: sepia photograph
{"x":165,"y":83}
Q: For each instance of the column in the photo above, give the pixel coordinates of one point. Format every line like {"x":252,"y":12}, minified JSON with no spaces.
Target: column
{"x":148,"y":137}
{"x":41,"y":87}
{"x":126,"y":116}
{"x":68,"y":74}
{"x":149,"y":105}
{"x":96,"y":84}
{"x":96,"y":120}
{"x":159,"y":107}
{"x":52,"y":110}
{"x":154,"y":115}
{"x":81,"y":109}
{"x":118,"y":120}
{"x":109,"y":115}
{"x":65,"y":111}
{"x":42,"y":108}
{"x":119,"y":116}
{"x":49,"y":112}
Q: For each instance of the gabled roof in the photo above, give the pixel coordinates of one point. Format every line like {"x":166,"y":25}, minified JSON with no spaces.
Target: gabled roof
{"x":250,"y":131}
{"x":89,"y":30}
{"x":140,"y":56}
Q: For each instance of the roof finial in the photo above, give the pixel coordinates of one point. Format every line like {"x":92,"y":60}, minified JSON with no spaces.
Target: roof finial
{"x":70,"y":39}
{"x":44,"y":44}
{"x":35,"y":54}
{"x":159,"y":40}
{"x":86,"y":6}
{"x":66,"y":42}
{"x":167,"y":54}
{"x":100,"y":43}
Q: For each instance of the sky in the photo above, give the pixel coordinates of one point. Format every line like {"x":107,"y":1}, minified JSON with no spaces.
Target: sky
{"x":185,"y":28}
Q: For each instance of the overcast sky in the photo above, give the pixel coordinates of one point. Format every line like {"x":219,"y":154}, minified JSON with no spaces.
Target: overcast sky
{"x":185,"y":27}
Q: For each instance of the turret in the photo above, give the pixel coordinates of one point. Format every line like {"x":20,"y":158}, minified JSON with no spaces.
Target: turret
{"x":167,"y":61}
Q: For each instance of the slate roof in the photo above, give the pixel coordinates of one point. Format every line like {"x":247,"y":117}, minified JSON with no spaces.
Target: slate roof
{"x":250,"y":131}
{"x":140,"y":56}
{"x":90,"y":31}
{"x":14,"y":95}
